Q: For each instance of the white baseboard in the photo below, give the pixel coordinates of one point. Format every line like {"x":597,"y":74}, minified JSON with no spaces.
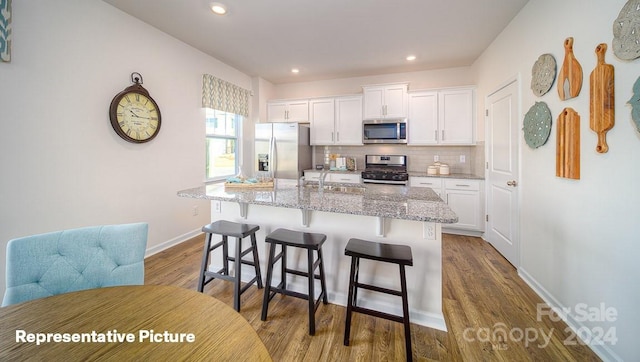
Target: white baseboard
{"x":602,"y":350}
{"x":169,"y":243}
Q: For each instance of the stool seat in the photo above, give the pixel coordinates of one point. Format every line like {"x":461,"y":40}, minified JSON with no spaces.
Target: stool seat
{"x":309,"y":241}
{"x":234,"y":229}
{"x":296,"y":238}
{"x":390,"y":253}
{"x":239,"y":231}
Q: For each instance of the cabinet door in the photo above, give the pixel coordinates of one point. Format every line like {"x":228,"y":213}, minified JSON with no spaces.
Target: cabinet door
{"x":464,"y":197}
{"x":277,"y":112}
{"x":395,"y":101}
{"x":322,"y":118}
{"x":456,"y":117}
{"x":466,"y":204}
{"x":373,"y":102}
{"x":423,"y":118}
{"x":348,"y":125}
{"x":298,"y":111}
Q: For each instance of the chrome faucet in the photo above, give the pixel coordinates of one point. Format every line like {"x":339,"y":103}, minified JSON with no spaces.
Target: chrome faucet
{"x":323,"y":176}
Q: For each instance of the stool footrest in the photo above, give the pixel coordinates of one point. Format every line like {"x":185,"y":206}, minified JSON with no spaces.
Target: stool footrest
{"x":391,"y":317}
{"x":379,"y":289}
{"x":301,"y":273}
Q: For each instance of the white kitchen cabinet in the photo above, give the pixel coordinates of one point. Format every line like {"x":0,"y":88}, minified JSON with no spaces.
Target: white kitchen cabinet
{"x":349,"y":120}
{"x":336,"y":121}
{"x":423,"y":118}
{"x":288,"y":111}
{"x":464,"y":197}
{"x":455,"y":116}
{"x":434,"y":183}
{"x":385,"y":101}
{"x":442,"y":117}
{"x":322,"y":118}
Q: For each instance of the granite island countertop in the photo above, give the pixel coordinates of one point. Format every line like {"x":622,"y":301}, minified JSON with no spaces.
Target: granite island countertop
{"x":386,"y":201}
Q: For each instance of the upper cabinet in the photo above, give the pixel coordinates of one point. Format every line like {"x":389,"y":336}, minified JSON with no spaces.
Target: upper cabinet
{"x":385,"y":101}
{"x":443,"y":117}
{"x":288,"y":111}
{"x":336,"y":121}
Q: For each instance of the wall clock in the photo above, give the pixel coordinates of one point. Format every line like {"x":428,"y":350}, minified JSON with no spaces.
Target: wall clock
{"x":134,"y":115}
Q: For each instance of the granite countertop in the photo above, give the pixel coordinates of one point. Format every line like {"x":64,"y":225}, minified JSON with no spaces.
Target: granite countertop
{"x":467,"y":176}
{"x":387,"y":201}
{"x":335,"y":171}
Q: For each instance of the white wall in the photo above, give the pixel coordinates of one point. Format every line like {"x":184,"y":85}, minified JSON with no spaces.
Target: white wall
{"x":62,"y":164}
{"x":579,"y":238}
{"x":440,"y":78}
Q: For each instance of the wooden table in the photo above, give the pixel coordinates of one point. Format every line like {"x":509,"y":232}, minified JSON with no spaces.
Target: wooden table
{"x":125,"y":323}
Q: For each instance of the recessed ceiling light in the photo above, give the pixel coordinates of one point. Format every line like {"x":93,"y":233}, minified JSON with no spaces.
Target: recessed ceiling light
{"x":295,"y":70}
{"x":411,"y":57}
{"x":218,"y":8}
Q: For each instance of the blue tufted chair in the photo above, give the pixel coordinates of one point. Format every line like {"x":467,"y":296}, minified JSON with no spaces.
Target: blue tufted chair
{"x":65,"y":261}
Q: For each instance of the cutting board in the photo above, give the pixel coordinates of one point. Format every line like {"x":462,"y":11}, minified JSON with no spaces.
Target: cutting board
{"x":568,"y":145}
{"x":570,"y":76}
{"x":602,"y":99}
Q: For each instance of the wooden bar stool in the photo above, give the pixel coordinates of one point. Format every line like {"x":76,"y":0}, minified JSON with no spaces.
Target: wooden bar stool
{"x":240,"y":231}
{"x":390,"y":253}
{"x":309,"y":241}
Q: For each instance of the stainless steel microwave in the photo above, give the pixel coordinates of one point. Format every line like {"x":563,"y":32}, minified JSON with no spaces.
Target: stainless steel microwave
{"x":385,"y":131}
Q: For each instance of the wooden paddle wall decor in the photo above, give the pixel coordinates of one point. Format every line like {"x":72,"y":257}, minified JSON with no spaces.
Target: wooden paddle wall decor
{"x":568,"y":145}
{"x":602,"y":99}
{"x":570,"y":76}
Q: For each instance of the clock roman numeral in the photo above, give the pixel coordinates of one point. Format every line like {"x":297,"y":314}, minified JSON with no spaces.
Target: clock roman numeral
{"x":127,"y":98}
{"x":137,"y":98}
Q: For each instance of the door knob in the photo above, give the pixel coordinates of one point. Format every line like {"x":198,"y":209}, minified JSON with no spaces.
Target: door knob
{"x":512,"y":183}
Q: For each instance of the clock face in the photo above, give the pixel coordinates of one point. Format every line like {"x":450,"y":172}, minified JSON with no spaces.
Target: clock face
{"x":135,"y":117}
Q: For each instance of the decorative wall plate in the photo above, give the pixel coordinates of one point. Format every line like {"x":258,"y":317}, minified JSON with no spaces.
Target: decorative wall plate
{"x":635,"y":104}
{"x":537,"y":125}
{"x":543,"y":74}
{"x":626,"y":31}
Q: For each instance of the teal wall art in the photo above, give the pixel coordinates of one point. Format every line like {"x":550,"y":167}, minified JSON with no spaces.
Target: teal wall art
{"x":5,"y":30}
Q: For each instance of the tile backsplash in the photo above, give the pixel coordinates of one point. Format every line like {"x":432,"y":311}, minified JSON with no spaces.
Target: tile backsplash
{"x":418,"y":157}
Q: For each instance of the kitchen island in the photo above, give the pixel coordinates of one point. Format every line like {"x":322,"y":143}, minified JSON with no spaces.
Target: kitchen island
{"x":385,"y":213}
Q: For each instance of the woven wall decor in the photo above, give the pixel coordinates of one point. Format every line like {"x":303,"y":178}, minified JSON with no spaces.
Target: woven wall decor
{"x":543,"y":74}
{"x":537,"y":125}
{"x":626,"y":31}
{"x":5,"y":30}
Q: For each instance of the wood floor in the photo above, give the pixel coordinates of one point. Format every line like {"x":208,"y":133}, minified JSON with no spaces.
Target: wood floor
{"x":491,"y":314}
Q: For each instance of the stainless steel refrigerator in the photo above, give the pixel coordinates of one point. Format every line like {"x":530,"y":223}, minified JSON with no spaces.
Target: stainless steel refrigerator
{"x":282,"y":149}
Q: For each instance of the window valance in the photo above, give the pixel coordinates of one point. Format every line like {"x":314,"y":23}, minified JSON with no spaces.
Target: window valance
{"x":224,"y":96}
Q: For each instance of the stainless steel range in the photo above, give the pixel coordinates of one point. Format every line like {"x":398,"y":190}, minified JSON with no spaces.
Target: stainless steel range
{"x":385,"y":169}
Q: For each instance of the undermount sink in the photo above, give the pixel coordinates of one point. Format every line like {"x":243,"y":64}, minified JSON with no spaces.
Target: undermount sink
{"x":337,"y":188}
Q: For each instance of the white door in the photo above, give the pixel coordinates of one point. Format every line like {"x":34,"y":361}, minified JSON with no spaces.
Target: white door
{"x":349,"y":120}
{"x":502,"y":129}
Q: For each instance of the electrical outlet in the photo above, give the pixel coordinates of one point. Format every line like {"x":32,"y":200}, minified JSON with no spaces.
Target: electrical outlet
{"x":462,"y":159}
{"x":195,"y":210}
{"x":436,"y":158}
{"x":216,"y":206}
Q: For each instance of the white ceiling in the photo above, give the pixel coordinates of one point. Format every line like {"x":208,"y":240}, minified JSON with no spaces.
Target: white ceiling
{"x":328,"y":39}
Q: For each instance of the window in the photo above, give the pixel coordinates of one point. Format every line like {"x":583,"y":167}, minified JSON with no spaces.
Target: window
{"x":223,"y":139}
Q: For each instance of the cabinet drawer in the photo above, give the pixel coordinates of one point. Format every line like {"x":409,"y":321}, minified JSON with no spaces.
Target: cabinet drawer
{"x":434,"y":183}
{"x":458,"y":184}
{"x":312,"y":176}
{"x":345,"y":178}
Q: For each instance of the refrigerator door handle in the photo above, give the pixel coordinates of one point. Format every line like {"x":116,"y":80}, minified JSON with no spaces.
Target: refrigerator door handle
{"x":272,"y":157}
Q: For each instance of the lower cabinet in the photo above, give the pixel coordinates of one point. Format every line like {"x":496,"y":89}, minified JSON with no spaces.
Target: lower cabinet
{"x":464,"y":197}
